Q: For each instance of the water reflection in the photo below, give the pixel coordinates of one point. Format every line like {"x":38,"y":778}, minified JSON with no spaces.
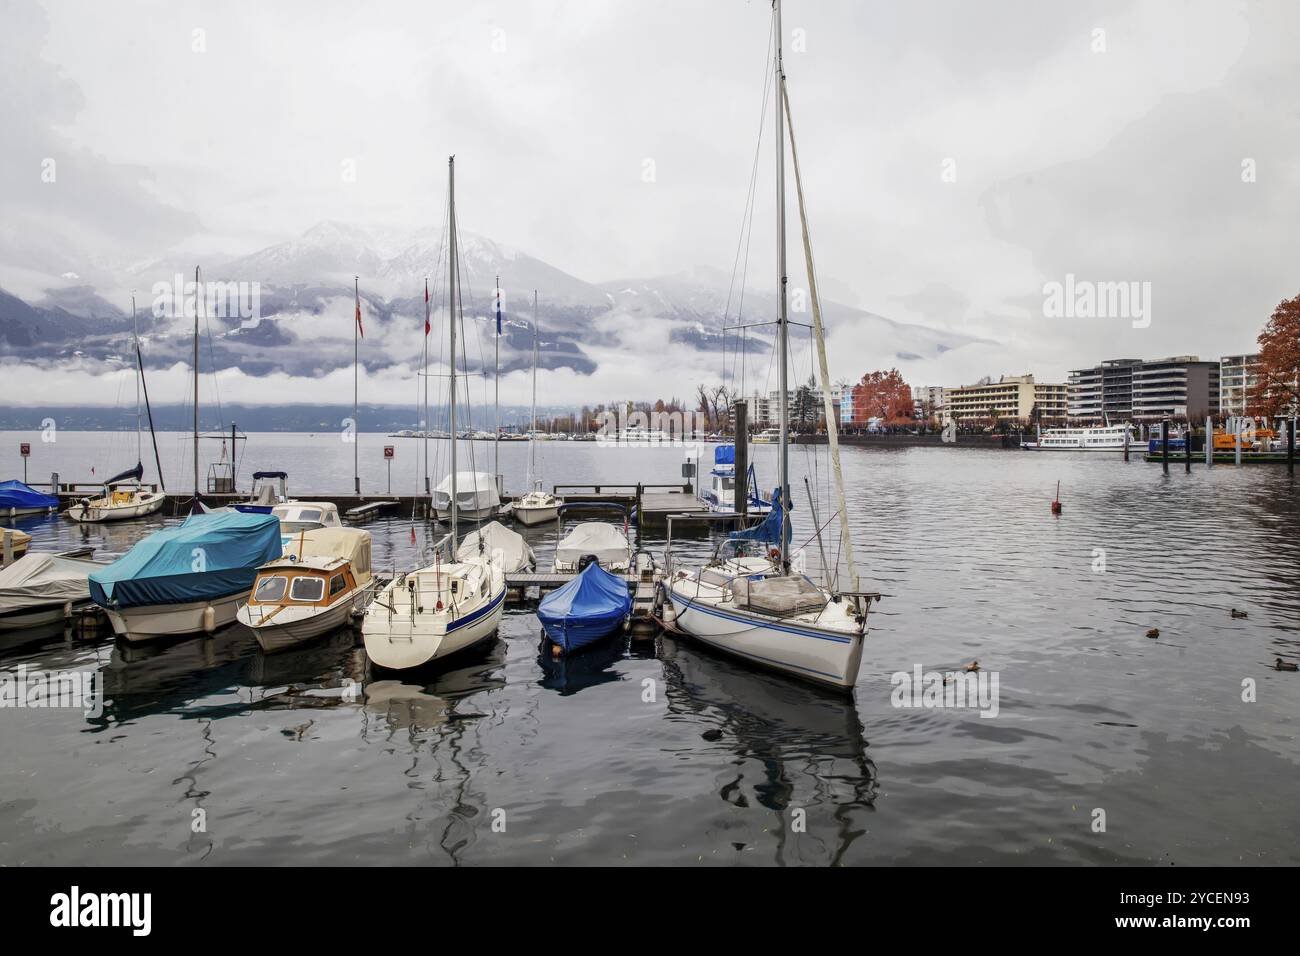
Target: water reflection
{"x":799,"y":752}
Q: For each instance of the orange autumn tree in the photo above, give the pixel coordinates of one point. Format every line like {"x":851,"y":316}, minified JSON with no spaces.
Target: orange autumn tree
{"x":883,"y":395}
{"x":1277,"y":390}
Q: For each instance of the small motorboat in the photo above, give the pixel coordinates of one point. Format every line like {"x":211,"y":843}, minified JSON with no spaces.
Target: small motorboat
{"x":186,"y":579}
{"x":296,"y":516}
{"x":124,"y":498}
{"x":13,"y":545}
{"x":270,"y":488}
{"x":322,"y":579}
{"x":41,"y":589}
{"x":495,"y":541}
{"x":603,"y":541}
{"x":593,"y":605}
{"x":477,"y":498}
{"x":18,"y":499}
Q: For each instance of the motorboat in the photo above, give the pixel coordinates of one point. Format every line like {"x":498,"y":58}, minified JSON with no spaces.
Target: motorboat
{"x":17,"y":499}
{"x":41,"y":589}
{"x":720,"y":493}
{"x":476,"y":496}
{"x":1093,"y":438}
{"x":270,"y":488}
{"x":497,"y":543}
{"x":537,"y":507}
{"x":298,"y":516}
{"x":323,"y":578}
{"x":606,"y":542}
{"x":592,"y":606}
{"x":188,"y":578}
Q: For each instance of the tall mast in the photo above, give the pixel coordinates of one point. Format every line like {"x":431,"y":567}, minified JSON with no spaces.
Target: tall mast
{"x":424,"y":424}
{"x":454,"y":288}
{"x":198,"y":297}
{"x":783,"y":327}
{"x":139,"y":370}
{"x":356,"y":362}
{"x":532,"y":437}
{"x":496,"y":389}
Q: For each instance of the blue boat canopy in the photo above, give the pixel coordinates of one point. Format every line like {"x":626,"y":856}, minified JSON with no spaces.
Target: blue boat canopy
{"x":258,"y":475}
{"x":769,"y":530}
{"x":724,"y":455}
{"x":205,"y":557}
{"x":587,"y":608}
{"x":135,"y":474}
{"x":14,"y":494}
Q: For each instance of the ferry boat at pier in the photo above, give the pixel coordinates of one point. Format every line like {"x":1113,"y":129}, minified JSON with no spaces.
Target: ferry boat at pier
{"x":1093,"y":438}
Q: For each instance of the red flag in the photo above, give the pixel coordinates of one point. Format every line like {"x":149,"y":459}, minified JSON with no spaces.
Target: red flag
{"x":360,"y":328}
{"x":426,"y":306}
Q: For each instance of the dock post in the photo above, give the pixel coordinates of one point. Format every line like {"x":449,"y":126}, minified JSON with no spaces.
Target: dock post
{"x":740,"y":486}
{"x":1125,"y":443}
{"x":1187,"y":447}
{"x":640,"y":511}
{"x":1164,"y":445}
{"x":1238,"y":431}
{"x":1209,"y":442}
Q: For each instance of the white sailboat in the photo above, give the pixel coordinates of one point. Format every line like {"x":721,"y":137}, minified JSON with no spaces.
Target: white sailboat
{"x":746,"y":601}
{"x":427,"y":614}
{"x":536,"y":506}
{"x":124,"y":495}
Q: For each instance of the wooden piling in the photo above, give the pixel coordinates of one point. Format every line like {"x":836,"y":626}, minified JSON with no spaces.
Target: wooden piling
{"x":1164,"y":445}
{"x":1290,"y":445}
{"x":1187,"y":447}
{"x":740,"y":496}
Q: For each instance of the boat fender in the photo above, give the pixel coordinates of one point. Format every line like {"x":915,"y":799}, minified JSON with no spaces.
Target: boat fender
{"x":209,"y":619}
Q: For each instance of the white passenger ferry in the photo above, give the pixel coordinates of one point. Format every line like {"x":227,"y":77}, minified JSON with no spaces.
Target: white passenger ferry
{"x":1095,"y":438}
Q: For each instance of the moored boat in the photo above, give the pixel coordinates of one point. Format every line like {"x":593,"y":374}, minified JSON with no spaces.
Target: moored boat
{"x":40,"y":589}
{"x":13,"y":545}
{"x":18,"y":499}
{"x":1090,"y":438}
{"x":606,"y":543}
{"x":475,"y":492}
{"x":186,"y":579}
{"x":124,"y":498}
{"x":322,"y":579}
{"x":593,"y":605}
{"x":495,"y":542}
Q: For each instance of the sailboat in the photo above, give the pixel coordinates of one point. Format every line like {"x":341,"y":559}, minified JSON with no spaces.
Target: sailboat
{"x":425,"y":615}
{"x":124,"y":496}
{"x":746,"y":601}
{"x":536,"y":506}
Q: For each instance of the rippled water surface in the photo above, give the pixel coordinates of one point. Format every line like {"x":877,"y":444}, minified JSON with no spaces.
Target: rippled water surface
{"x":660,"y":752}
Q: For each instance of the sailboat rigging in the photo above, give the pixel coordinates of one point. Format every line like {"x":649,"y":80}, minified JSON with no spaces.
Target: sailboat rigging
{"x":535,"y":506}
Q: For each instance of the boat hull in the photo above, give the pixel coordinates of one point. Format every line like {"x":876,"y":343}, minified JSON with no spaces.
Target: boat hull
{"x":401,"y":642}
{"x":39,"y":615}
{"x":535,"y":516}
{"x":276,"y":635}
{"x":154,"y":621}
{"x":467,"y":514}
{"x":826,"y":657}
{"x":573,"y":633}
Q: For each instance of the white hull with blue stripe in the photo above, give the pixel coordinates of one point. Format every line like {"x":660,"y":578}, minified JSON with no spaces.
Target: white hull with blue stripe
{"x":821,"y":644}
{"x":431,"y":613}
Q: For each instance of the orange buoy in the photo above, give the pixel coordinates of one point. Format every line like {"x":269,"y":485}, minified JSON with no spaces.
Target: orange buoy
{"x":1056,"y":504}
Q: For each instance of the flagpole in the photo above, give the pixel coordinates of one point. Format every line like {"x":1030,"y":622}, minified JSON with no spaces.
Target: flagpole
{"x":356,"y":360}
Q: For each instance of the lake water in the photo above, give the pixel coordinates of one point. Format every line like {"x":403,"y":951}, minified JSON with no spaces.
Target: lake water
{"x":660,"y":752}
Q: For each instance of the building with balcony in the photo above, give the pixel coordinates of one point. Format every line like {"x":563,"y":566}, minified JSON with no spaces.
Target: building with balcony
{"x":1238,"y":376}
{"x":1010,"y":397}
{"x":1144,"y":389}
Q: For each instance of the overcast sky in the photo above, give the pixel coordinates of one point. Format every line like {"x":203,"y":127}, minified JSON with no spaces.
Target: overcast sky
{"x":957,"y":155}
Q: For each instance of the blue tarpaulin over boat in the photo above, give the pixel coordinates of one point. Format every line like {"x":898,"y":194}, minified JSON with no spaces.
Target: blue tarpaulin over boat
{"x":14,"y":494}
{"x":207,"y":556}
{"x":770,"y":528}
{"x":724,"y":455}
{"x":592,"y":605}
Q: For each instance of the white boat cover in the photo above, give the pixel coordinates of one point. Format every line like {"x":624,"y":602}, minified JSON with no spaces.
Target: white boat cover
{"x":518,"y":556}
{"x":474,"y":490}
{"x":350,"y":543}
{"x":44,"y":579}
{"x":603,"y":540}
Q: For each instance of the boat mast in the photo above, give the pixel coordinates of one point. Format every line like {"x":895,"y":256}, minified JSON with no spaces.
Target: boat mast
{"x":454,"y":288}
{"x":135,"y":334}
{"x":194,"y":505}
{"x":356,"y":360}
{"x":424,"y":425}
{"x":532,"y":433}
{"x":783,"y":328}
{"x":496,"y":389}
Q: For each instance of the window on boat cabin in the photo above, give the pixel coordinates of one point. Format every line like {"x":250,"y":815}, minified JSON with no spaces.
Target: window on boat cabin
{"x":309,"y":514}
{"x":270,"y":589}
{"x":337,"y":584}
{"x":307,"y":589}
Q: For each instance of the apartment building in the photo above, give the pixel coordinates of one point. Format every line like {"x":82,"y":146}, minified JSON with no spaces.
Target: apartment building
{"x":1011,"y":396}
{"x":1238,"y":375}
{"x":1144,"y":389}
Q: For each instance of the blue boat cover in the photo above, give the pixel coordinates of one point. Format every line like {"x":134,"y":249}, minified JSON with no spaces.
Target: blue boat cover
{"x":14,"y":494}
{"x":724,"y":455}
{"x":586,"y":609}
{"x":137,"y":473}
{"x":769,"y":529}
{"x":207,"y":556}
